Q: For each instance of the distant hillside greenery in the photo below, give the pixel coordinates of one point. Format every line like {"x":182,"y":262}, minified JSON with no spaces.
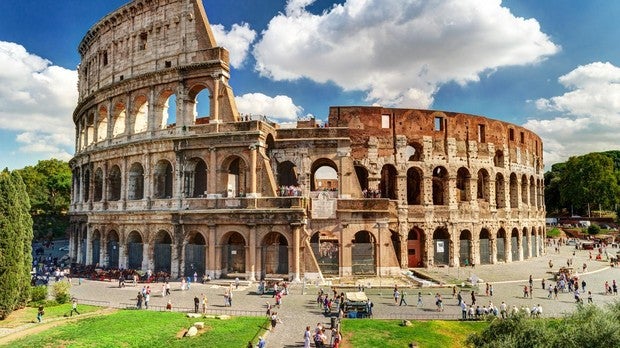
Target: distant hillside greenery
{"x":48,"y":184}
{"x":584,"y":182}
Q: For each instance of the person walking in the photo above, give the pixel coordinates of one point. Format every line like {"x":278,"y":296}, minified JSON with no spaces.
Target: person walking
{"x":139,"y":300}
{"x":40,"y":313}
{"x":196,"y":304}
{"x":307,"y":337}
{"x":74,"y":307}
{"x":396,"y":295}
{"x":402,"y":299}
{"x":420,"y":298}
{"x":204,"y":304}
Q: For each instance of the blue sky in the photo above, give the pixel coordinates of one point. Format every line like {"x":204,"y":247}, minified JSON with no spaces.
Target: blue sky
{"x":552,"y":66}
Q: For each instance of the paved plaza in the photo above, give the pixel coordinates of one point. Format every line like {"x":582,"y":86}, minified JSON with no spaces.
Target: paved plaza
{"x":299,"y":307}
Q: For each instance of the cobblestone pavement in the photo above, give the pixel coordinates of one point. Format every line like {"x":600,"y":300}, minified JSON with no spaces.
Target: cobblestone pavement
{"x":299,"y":308}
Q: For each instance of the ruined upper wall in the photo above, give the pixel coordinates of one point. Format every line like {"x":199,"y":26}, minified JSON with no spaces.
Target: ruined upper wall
{"x":145,"y":36}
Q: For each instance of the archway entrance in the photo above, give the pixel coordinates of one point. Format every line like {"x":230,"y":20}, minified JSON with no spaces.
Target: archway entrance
{"x":465,"y":248}
{"x":414,"y":247}
{"x":514,"y":243}
{"x":233,"y":254}
{"x":274,"y":256}
{"x":134,"y":250}
{"x":112,"y":249}
{"x":162,"y":252}
{"x":195,"y":251}
{"x":485,"y":247}
{"x":327,"y":253}
{"x":363,"y":261}
{"x":525,"y":244}
{"x":501,"y":245}
{"x":441,"y":246}
{"x":96,"y":245}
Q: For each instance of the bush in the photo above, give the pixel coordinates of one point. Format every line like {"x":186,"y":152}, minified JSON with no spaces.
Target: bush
{"x":61,"y":292}
{"x":594,"y":229}
{"x":554,"y":233}
{"x":38,"y":293}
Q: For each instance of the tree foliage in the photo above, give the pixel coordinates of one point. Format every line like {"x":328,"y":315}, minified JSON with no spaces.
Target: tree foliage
{"x":49,"y":186}
{"x":594,"y":229}
{"x":15,"y":243}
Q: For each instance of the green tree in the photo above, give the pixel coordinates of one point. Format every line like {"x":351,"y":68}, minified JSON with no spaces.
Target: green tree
{"x":594,"y":229}
{"x":15,"y":243}
{"x":589,"y":179}
{"x":49,"y":186}
{"x":553,"y":186}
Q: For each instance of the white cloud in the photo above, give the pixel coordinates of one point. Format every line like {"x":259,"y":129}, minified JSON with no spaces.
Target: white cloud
{"x":589,"y":119}
{"x":279,"y":108}
{"x":399,"y":51}
{"x":237,"y":41}
{"x":37,"y":101}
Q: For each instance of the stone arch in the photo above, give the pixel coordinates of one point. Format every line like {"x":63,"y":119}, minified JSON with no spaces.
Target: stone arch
{"x":274,"y":255}
{"x":415,"y":185}
{"x":362,"y":177}
{"x":525,"y":244}
{"x":115,"y":182}
{"x":195,"y":178}
{"x":463,"y":185}
{"x":327,"y":252}
{"x":233,"y":253}
{"x":140,"y":114}
{"x":441,"y":246}
{"x":500,"y":242}
{"x":287,"y":174}
{"x":532,"y":192}
{"x":413,"y":151}
{"x":389,"y":184}
{"x":135,"y":250}
{"x":465,"y":248}
{"x":498,"y":159}
{"x":534,"y":242}
{"x":200,"y":102}
{"x":515,"y":243}
{"x":86,"y":185}
{"x":270,"y":144}
{"x":162,"y":252}
{"x":96,"y":247}
{"x":324,"y":175}
{"x":165,"y":109}
{"x":163,"y":179}
{"x":112,"y":249}
{"x":415,"y":247}
{"x":514,"y":191}
{"x":483,"y":186}
{"x":500,"y":191}
{"x":485,"y":246}
{"x":102,"y":124}
{"x":118,"y":119}
{"x":195,"y":254}
{"x":98,"y":185}
{"x":235,"y":169}
{"x":524,"y":189}
{"x":363,"y":254}
{"x":396,"y":244}
{"x":440,"y":186}
{"x":135,"y":184}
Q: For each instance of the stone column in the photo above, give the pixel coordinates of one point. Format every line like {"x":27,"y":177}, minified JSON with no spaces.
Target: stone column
{"x":296,"y":255}
{"x":215,"y":105}
{"x":212,"y":179}
{"x":252,"y":188}
{"x":89,"y":246}
{"x":211,"y":266}
{"x":508,"y":246}
{"x":145,"y":256}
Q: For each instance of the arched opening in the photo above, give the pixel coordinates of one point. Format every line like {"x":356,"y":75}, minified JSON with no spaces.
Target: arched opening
{"x":524,"y":190}
{"x":483,"y":186}
{"x":274,"y":256}
{"x":485,"y":247}
{"x":119,"y":119}
{"x":327,"y":252}
{"x":202,"y":104}
{"x":414,"y":186}
{"x":463,"y":185}
{"x":514,"y":191}
{"x":166,"y":114}
{"x":514,"y":243}
{"x":498,"y":159}
{"x":534,"y":242}
{"x":395,"y":237}
{"x":86,"y":185}
{"x":415,"y":247}
{"x":287,"y":174}
{"x":76,"y":179}
{"x":163,"y":179}
{"x":140,"y":118}
{"x":465,"y":248}
{"x":525,"y":244}
{"x":440,"y":186}
{"x":195,"y":255}
{"x":114,"y":191}
{"x":236,"y":170}
{"x":90,"y":129}
{"x":413,"y":151}
{"x":135,"y":250}
{"x":362,"y":178}
{"x":102,"y":125}
{"x":195,"y":175}
{"x":162,"y":252}
{"x":98,"y":194}
{"x":112,"y":249}
{"x":500,"y":191}
{"x":233,"y":254}
{"x":324,"y":176}
{"x":96,"y":248}
{"x":388,"y":185}
{"x":441,"y":246}
{"x":363,"y":261}
{"x":532,"y":192}
{"x":135,"y":189}
{"x":501,"y":245}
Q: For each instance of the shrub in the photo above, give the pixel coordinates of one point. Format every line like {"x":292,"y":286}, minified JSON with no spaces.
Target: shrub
{"x":594,"y":229}
{"x":38,"y":293}
{"x":61,"y":292}
{"x":554,"y":232}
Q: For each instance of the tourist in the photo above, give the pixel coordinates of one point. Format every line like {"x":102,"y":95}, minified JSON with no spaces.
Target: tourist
{"x":139,"y":299}
{"x":196,"y":304}
{"x":261,"y":342}
{"x":146,"y":300}
{"x":204,"y":304}
{"x":396,"y":294}
{"x":307,"y":336}
{"x":420,"y":298}
{"x":169,"y":305}
{"x":402,"y":299}
{"x":74,"y":307}
{"x":40,"y":313}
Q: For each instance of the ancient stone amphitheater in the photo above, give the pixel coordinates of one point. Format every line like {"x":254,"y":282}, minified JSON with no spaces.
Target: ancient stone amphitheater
{"x":159,"y":186}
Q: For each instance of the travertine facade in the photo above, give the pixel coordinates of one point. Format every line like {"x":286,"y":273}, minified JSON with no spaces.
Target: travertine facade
{"x":158,"y":187}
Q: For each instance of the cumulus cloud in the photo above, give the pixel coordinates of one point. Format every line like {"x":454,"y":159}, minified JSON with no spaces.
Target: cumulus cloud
{"x":37,"y":101}
{"x":237,"y":41}
{"x":279,"y":108}
{"x":587,"y":116}
{"x":399,"y":51}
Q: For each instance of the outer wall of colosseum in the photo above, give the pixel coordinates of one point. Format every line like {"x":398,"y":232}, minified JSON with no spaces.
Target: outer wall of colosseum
{"x":159,"y":186}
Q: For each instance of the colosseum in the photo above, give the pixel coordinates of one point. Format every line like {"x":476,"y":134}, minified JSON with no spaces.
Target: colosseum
{"x":157,"y":185}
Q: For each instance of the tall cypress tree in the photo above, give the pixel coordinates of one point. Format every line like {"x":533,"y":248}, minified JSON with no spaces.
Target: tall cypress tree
{"x":15,"y":243}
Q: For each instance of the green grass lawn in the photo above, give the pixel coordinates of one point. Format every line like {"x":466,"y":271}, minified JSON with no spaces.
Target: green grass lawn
{"x":133,"y":328}
{"x":29,"y":314}
{"x":389,"y":333}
